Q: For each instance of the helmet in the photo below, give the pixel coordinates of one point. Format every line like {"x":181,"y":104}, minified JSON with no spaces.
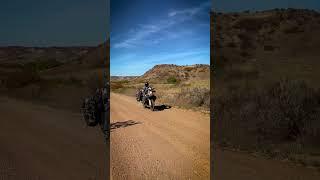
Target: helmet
{"x":146,"y":84}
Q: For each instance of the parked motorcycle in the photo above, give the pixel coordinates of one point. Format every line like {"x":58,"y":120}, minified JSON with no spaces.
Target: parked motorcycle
{"x":149,"y":99}
{"x":139,"y":95}
{"x":89,"y":112}
{"x":105,"y":117}
{"x":96,"y":109}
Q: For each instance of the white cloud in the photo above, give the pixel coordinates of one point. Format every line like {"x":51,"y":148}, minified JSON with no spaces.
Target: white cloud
{"x":190,"y":11}
{"x":139,"y":35}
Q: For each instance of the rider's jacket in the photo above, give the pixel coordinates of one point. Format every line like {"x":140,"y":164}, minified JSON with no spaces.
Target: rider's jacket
{"x":145,"y":89}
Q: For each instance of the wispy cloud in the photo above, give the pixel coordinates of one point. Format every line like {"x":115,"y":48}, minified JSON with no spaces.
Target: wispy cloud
{"x":139,"y":36}
{"x":142,"y":32}
{"x":190,"y":11}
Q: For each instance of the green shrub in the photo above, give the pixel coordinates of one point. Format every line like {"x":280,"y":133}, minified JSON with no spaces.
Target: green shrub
{"x":172,"y":80}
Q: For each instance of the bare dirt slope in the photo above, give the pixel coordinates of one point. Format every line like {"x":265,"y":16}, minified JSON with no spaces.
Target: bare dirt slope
{"x":165,"y":144}
{"x":38,"y":142}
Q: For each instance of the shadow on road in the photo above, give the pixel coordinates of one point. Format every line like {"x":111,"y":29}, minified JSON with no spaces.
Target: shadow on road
{"x":162,"y":107}
{"x":123,"y":124}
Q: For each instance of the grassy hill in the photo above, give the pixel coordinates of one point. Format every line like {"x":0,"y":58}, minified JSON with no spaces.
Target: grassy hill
{"x":268,"y":45}
{"x":265,"y":82}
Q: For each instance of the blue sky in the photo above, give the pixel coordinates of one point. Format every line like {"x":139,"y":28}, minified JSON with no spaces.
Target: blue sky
{"x":145,"y":33}
{"x":241,"y":5}
{"x":53,"y":22}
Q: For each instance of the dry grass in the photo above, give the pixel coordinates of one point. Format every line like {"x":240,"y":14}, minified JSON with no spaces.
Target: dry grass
{"x":280,"y":120}
{"x":193,"y":97}
{"x":187,"y":94}
{"x":252,"y":109}
{"x":66,"y":91}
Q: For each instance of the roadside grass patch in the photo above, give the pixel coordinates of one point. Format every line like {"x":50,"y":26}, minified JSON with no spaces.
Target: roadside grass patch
{"x":280,"y":120}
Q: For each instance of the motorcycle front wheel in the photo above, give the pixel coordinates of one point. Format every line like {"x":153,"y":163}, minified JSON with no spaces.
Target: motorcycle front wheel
{"x":143,"y":104}
{"x":152,"y":104}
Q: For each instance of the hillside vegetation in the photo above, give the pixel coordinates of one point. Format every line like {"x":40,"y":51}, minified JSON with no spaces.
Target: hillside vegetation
{"x":60,"y":76}
{"x":266,"y":71}
{"x":180,"y":86}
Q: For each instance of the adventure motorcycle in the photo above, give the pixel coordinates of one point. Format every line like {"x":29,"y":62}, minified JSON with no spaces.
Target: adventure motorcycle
{"x":89,"y":112}
{"x":95,"y":113}
{"x":139,"y":95}
{"x":104,"y":118}
{"x":149,"y":99}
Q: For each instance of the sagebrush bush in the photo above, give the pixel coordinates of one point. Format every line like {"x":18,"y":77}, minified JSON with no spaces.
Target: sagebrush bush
{"x":287,"y":111}
{"x":194,"y":97}
{"x":22,"y":78}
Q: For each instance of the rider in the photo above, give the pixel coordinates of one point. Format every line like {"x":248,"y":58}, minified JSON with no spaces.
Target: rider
{"x":145,"y":88}
{"x":145,"y":91}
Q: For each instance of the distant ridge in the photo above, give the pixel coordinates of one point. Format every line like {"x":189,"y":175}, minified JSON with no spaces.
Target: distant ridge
{"x":119,"y":78}
{"x":162,"y":72}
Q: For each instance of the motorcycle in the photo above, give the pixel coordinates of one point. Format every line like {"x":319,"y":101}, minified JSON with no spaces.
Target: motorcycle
{"x":139,"y":95}
{"x":104,"y":119}
{"x":89,"y":112}
{"x":149,"y":99}
{"x":95,"y":111}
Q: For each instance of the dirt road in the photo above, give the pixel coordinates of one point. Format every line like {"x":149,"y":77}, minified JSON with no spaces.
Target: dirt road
{"x":38,"y":142}
{"x":165,"y":144}
{"x":174,"y":144}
